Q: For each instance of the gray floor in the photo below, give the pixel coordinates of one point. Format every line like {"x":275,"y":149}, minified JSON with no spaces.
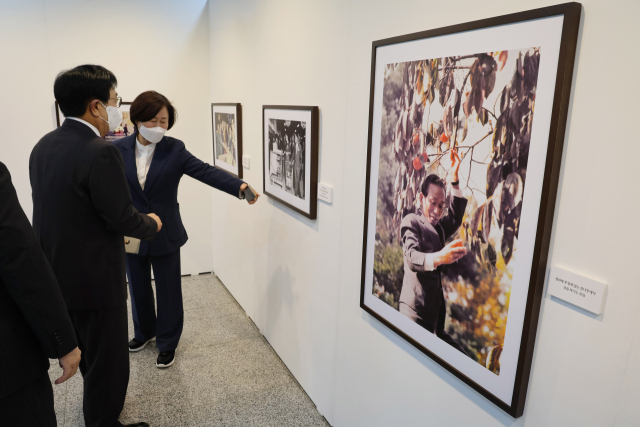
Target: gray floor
{"x":226,"y":373}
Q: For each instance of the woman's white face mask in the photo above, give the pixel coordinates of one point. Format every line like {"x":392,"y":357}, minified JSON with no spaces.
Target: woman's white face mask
{"x":153,"y":135}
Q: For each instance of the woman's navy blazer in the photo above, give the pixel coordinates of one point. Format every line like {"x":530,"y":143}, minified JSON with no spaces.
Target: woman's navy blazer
{"x":170,"y":161}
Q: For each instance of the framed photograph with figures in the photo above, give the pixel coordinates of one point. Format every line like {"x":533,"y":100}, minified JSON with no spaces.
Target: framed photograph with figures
{"x":466,"y":129}
{"x":125,"y":128}
{"x":226,"y":120}
{"x":290,"y":156}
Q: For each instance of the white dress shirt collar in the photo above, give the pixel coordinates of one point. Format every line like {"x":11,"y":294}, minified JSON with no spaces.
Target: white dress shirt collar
{"x":144,"y":155}
{"x":93,"y":128}
{"x":144,"y":148}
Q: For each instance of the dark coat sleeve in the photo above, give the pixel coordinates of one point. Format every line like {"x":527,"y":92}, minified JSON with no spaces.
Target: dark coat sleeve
{"x":111,"y":197}
{"x":411,"y":236}
{"x":442,"y":333}
{"x":28,"y":277}
{"x":209,"y":175}
{"x":452,"y":221}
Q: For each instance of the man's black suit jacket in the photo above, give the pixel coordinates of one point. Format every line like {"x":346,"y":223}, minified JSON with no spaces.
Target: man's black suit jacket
{"x":422,"y":290}
{"x":82,"y":210}
{"x":34,"y":324}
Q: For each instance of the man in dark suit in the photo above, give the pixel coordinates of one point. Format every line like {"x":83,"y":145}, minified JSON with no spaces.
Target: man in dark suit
{"x":423,"y":243}
{"x":34,"y":324}
{"x":81,"y":211}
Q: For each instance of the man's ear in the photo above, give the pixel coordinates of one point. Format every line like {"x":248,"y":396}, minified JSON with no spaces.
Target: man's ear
{"x":94,"y":108}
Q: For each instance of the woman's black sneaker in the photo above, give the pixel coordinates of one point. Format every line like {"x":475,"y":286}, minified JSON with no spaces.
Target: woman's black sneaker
{"x":135,"y":345}
{"x":166,"y":359}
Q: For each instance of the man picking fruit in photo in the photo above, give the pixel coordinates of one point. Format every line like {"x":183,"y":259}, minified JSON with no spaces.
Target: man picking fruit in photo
{"x":423,"y":236}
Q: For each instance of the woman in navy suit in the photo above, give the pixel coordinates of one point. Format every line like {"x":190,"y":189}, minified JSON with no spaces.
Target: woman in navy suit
{"x":154,"y":165}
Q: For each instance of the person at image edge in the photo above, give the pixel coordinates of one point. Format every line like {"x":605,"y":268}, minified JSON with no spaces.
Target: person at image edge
{"x":34,"y":323}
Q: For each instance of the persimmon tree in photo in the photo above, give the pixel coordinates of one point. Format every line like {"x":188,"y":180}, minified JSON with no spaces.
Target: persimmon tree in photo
{"x":429,"y":107}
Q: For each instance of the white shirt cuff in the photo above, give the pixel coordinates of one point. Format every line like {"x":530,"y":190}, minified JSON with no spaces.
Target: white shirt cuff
{"x":428,"y":262}
{"x":457,"y":192}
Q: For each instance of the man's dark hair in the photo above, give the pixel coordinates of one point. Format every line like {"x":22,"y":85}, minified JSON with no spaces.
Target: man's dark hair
{"x":74,"y":89}
{"x":432,"y":179}
{"x":147,"y":105}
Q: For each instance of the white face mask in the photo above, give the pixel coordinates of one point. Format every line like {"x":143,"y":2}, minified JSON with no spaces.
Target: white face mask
{"x":115,"y":117}
{"x":153,"y":135}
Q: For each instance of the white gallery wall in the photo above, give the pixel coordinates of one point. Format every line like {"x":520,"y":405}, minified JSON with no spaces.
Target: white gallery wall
{"x":299,"y":280}
{"x":284,"y":268}
{"x":160,"y":45}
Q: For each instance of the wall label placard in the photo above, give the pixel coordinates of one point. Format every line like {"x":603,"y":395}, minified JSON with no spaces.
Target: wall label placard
{"x":576,"y":289}
{"x":325,"y":193}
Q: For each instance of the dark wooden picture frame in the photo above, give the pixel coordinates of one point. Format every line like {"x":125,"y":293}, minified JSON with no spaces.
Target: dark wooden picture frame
{"x":238,"y":113}
{"x":312,"y":168}
{"x":59,"y":116}
{"x":571,"y":14}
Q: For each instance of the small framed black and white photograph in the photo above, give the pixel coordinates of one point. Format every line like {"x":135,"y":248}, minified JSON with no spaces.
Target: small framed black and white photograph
{"x":290,"y":156}
{"x":226,"y":121}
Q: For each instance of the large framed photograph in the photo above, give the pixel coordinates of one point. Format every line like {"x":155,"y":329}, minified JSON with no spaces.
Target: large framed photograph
{"x":125,"y":128}
{"x":466,"y":129}
{"x":290,"y":156}
{"x":226,"y":120}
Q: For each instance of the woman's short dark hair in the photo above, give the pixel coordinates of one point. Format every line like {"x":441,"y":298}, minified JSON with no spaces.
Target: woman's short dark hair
{"x":74,"y":89}
{"x":148,"y":104}
{"x":432,"y":179}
